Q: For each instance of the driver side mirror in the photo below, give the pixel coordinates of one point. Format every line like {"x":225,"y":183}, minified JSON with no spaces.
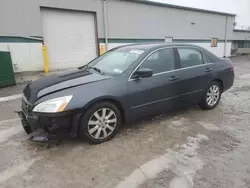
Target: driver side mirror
{"x":142,"y":73}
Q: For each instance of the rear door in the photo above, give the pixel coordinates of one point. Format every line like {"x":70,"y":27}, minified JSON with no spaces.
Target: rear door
{"x":194,"y":74}
{"x":156,"y":93}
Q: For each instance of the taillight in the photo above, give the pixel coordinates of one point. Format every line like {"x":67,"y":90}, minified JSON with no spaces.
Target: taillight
{"x":232,"y":68}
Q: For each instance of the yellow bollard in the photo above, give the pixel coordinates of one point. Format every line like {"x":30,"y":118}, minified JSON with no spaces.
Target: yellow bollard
{"x":102,"y":49}
{"x":45,"y":59}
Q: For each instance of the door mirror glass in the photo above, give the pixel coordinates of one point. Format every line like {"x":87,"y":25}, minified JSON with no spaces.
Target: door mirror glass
{"x":143,"y":73}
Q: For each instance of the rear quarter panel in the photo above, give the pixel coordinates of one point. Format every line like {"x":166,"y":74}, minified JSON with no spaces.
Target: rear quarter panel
{"x":223,"y":71}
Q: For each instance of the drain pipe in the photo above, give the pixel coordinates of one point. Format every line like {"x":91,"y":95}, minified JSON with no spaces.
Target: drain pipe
{"x":105,"y":24}
{"x":225,"y":44}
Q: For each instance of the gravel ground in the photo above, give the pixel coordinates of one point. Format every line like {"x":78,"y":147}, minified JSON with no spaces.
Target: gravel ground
{"x":186,"y":148}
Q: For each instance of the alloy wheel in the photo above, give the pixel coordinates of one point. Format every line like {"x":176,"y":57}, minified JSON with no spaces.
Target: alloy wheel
{"x":213,"y":95}
{"x":102,"y":123}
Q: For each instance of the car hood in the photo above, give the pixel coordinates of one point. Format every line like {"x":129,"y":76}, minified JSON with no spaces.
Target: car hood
{"x":60,"y":81}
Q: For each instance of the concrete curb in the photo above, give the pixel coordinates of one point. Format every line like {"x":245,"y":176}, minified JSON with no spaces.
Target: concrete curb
{"x":26,"y":77}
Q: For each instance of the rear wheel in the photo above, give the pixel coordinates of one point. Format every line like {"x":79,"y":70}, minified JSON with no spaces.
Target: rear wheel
{"x":100,"y":122}
{"x":212,"y":96}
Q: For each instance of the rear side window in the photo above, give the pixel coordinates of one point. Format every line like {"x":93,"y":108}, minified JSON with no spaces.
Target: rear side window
{"x":160,"y":61}
{"x":206,"y":58}
{"x":190,"y":57}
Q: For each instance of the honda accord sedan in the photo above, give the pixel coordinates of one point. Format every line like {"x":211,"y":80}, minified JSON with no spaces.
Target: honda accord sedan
{"x":123,"y":84}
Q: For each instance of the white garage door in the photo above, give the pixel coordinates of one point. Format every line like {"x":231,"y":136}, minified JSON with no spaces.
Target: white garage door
{"x":69,"y":37}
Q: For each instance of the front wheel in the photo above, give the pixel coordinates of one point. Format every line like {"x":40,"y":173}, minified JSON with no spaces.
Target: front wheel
{"x":100,"y":122}
{"x":212,"y":96}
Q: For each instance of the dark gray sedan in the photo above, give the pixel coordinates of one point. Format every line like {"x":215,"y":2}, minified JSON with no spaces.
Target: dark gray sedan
{"x":125,"y":83}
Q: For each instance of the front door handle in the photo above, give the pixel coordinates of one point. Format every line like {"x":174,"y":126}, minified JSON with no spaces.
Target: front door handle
{"x":208,"y":69}
{"x":173,"y":78}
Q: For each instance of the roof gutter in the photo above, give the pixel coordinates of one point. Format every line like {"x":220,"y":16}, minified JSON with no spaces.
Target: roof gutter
{"x":105,"y":24}
{"x":150,"y":2}
{"x":225,"y":43}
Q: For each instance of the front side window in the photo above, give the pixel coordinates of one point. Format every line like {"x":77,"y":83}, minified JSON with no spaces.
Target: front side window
{"x":116,"y":61}
{"x":190,"y":57}
{"x":160,"y":61}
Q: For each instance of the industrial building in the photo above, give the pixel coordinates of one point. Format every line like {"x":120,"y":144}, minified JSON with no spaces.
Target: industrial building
{"x":241,"y":41}
{"x":76,"y":31}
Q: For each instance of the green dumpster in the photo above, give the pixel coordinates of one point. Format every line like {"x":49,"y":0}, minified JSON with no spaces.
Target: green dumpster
{"x":6,"y":70}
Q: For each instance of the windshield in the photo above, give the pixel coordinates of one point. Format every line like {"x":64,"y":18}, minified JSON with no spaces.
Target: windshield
{"x":116,"y":61}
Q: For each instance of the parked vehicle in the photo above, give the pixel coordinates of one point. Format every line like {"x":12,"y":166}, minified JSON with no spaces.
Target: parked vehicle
{"x":125,"y":83}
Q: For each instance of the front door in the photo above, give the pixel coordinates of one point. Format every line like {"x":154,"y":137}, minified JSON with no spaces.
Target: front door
{"x":156,"y":93}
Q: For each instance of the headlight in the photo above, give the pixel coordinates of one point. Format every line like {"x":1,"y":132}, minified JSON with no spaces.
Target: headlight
{"x":53,"y":105}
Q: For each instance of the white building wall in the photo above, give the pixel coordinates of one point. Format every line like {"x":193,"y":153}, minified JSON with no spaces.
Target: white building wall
{"x":28,"y":56}
{"x":218,"y":51}
{"x":25,"y":56}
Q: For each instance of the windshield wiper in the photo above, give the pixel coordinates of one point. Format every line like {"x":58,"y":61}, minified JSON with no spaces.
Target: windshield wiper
{"x":96,"y":69}
{"x":82,"y":67}
{"x":88,"y":67}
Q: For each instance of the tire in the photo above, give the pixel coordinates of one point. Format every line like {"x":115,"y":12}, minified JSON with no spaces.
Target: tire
{"x":205,"y":101}
{"x":95,"y":128}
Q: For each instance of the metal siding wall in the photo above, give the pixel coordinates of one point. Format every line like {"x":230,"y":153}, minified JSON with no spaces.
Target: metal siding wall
{"x":125,"y":19}
{"x":23,"y":18}
{"x":19,"y":18}
{"x":140,"y":21}
{"x":230,"y":27}
{"x":241,"y":35}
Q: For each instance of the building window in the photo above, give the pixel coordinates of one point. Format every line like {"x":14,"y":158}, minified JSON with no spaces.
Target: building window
{"x":241,"y":44}
{"x":247,"y":44}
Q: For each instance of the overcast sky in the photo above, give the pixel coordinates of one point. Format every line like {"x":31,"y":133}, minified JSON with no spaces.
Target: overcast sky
{"x":239,"y":7}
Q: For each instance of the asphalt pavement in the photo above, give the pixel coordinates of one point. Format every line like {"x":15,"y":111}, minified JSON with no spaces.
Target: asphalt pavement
{"x":183,"y":149}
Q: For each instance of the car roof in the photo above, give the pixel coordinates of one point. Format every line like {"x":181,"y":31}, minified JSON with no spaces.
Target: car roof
{"x":153,"y":46}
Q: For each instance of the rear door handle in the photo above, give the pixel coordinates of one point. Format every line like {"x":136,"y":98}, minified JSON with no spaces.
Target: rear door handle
{"x":173,"y":78}
{"x":208,"y":69}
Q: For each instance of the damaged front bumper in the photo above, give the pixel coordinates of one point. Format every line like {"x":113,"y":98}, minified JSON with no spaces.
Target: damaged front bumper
{"x":27,"y":121}
{"x":32,"y":126}
{"x":49,"y":127}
